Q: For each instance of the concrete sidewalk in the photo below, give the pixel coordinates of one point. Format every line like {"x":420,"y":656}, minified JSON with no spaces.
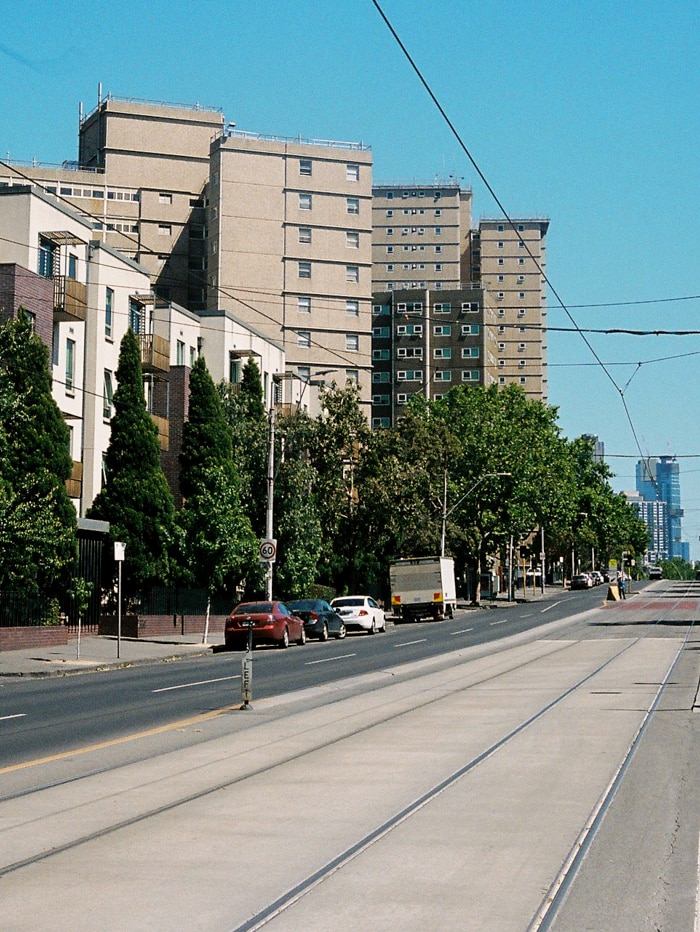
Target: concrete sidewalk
{"x":99,"y":652}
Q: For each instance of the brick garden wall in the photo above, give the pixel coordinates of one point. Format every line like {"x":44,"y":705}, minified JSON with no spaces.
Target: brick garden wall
{"x":149,"y":626}
{"x":33,"y":636}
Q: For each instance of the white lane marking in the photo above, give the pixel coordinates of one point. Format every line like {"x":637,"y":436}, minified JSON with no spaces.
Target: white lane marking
{"x":310,"y":663}
{"x":219,"y":679}
{"x":4,"y":718}
{"x":408,"y":643}
{"x":463,"y":631}
{"x":498,"y":622}
{"x":553,"y":605}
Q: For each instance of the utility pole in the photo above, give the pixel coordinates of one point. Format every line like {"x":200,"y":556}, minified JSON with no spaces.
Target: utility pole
{"x":270,"y":495}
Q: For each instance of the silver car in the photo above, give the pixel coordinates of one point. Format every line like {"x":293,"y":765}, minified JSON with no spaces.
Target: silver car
{"x":360,"y":612}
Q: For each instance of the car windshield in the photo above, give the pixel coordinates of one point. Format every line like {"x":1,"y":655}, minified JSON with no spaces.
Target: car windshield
{"x":254,"y":608}
{"x":349,"y":601}
{"x":302,"y":605}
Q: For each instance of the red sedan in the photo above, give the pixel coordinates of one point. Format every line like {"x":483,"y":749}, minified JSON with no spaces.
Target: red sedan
{"x":272,"y":623}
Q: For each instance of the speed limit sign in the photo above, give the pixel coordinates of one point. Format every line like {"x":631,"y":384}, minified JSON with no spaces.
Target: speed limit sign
{"x":268,"y":550}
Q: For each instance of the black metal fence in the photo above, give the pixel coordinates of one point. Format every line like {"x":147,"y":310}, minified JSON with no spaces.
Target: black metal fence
{"x":171,"y":600}
{"x":21,"y":610}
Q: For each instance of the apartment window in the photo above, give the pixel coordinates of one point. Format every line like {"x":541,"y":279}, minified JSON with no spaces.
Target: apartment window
{"x":304,"y":338}
{"x":521,"y":261}
{"x":180,"y":353}
{"x":164,"y":198}
{"x":443,"y":375}
{"x":107,"y":396}
{"x":47,"y":252}
{"x":501,"y":261}
{"x":304,"y":304}
{"x":304,"y":201}
{"x":521,"y":312}
{"x":521,"y":245}
{"x":380,"y":399}
{"x":502,"y":329}
{"x":352,"y":308}
{"x":352,"y":375}
{"x":522,"y":363}
{"x":390,"y":267}
{"x":390,"y":232}
{"x":304,"y":270}
{"x":522,"y":347}
{"x":469,"y":330}
{"x":501,"y":278}
{"x":501,"y":380}
{"x":165,"y":229}
{"x":381,"y":309}
{"x":470,"y":375}
{"x":379,"y":423}
{"x":438,"y":249}
{"x":442,"y":353}
{"x":502,"y":363}
{"x":193,"y":356}
{"x":521,"y":227}
{"x":442,"y":308}
{"x":521,"y":279}
{"x":500,"y":244}
{"x":352,"y":172}
{"x":353,"y":205}
{"x":500,"y":227}
{"x":442,"y":330}
{"x":70,"y":365}
{"x":381,"y":376}
{"x":438,"y":231}
{"x":438,"y":212}
{"x":234,"y":367}
{"x":304,"y":166}
{"x":470,"y":352}
{"x":352,"y":342}
{"x":409,"y":375}
{"x":304,"y":373}
{"x":352,"y":273}
{"x":380,"y":354}
{"x":304,"y":234}
{"x":521,"y":295}
{"x":501,"y":347}
{"x":109,"y":310}
{"x":523,"y":380}
{"x":352,"y":239}
{"x":390,"y":249}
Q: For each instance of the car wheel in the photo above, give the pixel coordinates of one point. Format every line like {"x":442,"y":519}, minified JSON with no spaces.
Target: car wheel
{"x":302,"y":637}
{"x":324,"y":634}
{"x":383,"y":627}
{"x":284,"y":643}
{"x":342,"y":631}
{"x":373,"y":629}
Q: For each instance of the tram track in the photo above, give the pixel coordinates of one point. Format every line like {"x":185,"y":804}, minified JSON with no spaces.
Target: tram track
{"x":310,"y":741}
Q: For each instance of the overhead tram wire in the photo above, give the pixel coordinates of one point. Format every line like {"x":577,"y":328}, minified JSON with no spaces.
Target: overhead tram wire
{"x":507,"y":217}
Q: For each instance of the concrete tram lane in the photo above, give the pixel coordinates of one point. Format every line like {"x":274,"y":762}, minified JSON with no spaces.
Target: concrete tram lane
{"x":269,"y":807}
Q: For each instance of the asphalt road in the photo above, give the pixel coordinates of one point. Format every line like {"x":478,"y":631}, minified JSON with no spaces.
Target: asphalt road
{"x":44,"y":717}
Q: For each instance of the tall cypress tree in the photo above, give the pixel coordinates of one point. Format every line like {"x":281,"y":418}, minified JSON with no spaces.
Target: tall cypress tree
{"x":136,"y":499}
{"x":216,"y":541}
{"x":38,"y":549}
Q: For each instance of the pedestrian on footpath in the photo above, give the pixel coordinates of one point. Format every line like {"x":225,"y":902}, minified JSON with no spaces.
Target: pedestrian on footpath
{"x":621,"y":585}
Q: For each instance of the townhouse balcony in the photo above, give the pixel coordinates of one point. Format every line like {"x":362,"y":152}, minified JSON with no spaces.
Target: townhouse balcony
{"x":163,"y":425}
{"x":155,"y":353}
{"x":74,"y":485}
{"x":69,"y":299}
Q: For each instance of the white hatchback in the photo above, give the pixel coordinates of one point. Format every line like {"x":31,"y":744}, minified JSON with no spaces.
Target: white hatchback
{"x":360,"y":612}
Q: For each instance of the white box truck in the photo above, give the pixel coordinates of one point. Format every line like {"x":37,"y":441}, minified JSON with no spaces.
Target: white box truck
{"x":423,"y":587}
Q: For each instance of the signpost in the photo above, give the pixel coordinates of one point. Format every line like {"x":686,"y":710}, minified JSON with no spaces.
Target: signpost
{"x":119,"y":551}
{"x":247,"y":671}
{"x":268,"y":550}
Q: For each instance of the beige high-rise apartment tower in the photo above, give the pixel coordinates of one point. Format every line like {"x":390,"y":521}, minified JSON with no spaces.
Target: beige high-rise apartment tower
{"x":290,"y":247}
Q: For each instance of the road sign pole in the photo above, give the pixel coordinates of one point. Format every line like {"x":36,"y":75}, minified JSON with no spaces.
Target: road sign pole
{"x":247,"y":671}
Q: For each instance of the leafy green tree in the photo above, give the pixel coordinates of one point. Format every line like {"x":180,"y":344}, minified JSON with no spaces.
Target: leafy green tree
{"x":297,"y":521}
{"x":245,"y":415}
{"x":338,"y":445}
{"x":38,"y":523}
{"x":136,"y":499}
{"x":217,"y":547}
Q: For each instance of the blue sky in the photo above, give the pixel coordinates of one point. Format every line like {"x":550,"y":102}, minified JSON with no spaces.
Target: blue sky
{"x":585,"y":113}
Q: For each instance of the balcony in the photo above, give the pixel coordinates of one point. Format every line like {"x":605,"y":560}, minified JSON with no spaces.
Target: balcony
{"x":155,"y":353}
{"x":74,"y":485}
{"x":163,"y":425}
{"x":69,"y":299}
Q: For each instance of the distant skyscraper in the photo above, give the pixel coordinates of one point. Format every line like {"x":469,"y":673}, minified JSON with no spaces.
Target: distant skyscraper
{"x":598,"y":447}
{"x":658,"y":479}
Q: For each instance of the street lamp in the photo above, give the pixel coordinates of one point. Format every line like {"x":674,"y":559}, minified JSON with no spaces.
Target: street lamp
{"x":446,"y":514}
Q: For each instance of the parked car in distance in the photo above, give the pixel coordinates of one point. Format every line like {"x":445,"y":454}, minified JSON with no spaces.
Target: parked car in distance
{"x":320,"y":620}
{"x":360,"y":612}
{"x":582,"y":581}
{"x":272,"y":623}
{"x":596,"y":577}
